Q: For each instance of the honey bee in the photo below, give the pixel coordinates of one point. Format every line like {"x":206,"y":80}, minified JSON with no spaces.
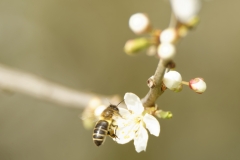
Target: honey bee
{"x":105,"y":126}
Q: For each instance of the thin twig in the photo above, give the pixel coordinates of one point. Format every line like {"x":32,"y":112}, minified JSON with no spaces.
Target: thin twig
{"x":155,"y":83}
{"x":34,"y":86}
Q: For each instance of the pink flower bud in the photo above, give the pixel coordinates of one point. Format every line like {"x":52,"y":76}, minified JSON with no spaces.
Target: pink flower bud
{"x":198,"y":85}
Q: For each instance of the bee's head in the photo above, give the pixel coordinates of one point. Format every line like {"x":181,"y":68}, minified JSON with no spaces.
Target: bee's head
{"x":114,"y":107}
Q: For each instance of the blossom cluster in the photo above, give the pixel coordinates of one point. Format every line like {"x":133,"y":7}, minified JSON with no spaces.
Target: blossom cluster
{"x":162,"y":43}
{"x":136,"y":120}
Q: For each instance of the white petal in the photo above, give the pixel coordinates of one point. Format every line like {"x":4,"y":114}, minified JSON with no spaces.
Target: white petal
{"x":140,"y":141}
{"x":124,"y":113}
{"x":152,"y":124}
{"x":126,"y":133}
{"x":133,"y":103}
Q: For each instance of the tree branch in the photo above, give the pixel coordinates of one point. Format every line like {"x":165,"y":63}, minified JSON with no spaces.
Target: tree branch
{"x":34,"y":86}
{"x":155,"y":84}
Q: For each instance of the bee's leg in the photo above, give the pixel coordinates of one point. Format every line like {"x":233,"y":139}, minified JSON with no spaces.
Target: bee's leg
{"x":113,"y":130}
{"x":112,"y":134}
{"x":119,"y":115}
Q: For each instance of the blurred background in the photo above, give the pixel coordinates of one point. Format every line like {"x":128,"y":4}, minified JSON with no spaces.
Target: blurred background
{"x":79,"y":44}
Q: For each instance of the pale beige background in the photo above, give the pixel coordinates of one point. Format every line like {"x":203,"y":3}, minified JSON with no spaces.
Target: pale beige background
{"x":78,"y":43}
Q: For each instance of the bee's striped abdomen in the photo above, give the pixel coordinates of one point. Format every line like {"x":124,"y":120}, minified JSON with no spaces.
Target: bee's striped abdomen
{"x":100,"y":131}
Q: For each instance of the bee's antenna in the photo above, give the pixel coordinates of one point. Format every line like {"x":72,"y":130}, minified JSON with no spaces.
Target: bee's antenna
{"x":120,"y":102}
{"x":111,"y":103}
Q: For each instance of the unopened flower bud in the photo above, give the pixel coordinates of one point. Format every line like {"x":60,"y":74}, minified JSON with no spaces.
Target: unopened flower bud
{"x":168,"y":35}
{"x":185,"y":10}
{"x":166,"y":51}
{"x":172,"y":80}
{"x":139,"y":23}
{"x":198,"y":85}
{"x":135,"y":45}
{"x":163,"y":114}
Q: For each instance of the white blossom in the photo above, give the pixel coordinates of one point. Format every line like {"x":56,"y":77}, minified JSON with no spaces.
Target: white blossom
{"x":134,"y":122}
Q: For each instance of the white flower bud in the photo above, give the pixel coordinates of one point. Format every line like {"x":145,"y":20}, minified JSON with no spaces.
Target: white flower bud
{"x":166,"y":51}
{"x":198,"y":85}
{"x":139,"y":23}
{"x":172,"y":80}
{"x":185,"y":10}
{"x":168,"y":35}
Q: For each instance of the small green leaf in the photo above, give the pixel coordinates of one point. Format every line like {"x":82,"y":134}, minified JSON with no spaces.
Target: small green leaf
{"x":164,"y":114}
{"x":135,"y":45}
